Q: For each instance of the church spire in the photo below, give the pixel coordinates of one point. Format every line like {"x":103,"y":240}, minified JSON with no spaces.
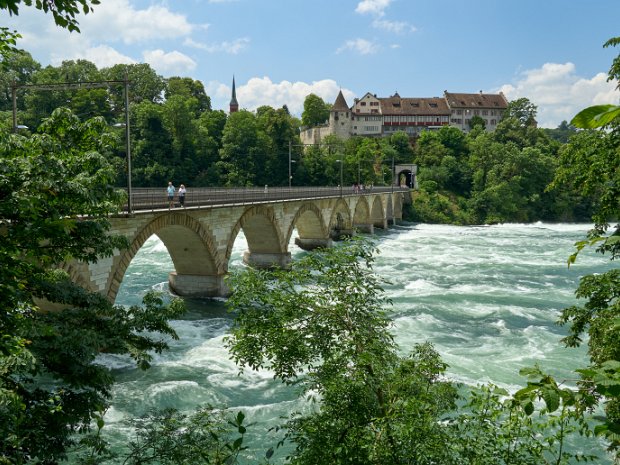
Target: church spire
{"x":234,"y":105}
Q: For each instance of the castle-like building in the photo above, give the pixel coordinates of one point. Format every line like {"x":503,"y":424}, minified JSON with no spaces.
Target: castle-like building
{"x":374,"y":116}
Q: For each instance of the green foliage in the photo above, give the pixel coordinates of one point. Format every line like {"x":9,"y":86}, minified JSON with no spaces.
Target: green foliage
{"x":533,"y":426}
{"x":323,"y":328}
{"x":591,"y":163}
{"x":63,"y":11}
{"x":55,"y":195}
{"x":207,"y":436}
{"x":521,"y":110}
{"x":316,"y":111}
{"x":596,"y":116}
{"x":8,"y":42}
{"x":562,"y":133}
{"x":243,"y":146}
{"x":477,"y":121}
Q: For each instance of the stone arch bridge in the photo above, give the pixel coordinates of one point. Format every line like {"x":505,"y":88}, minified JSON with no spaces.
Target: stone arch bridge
{"x":200,"y":238}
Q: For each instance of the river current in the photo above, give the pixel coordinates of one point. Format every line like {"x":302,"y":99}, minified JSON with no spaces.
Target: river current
{"x":487,"y":297}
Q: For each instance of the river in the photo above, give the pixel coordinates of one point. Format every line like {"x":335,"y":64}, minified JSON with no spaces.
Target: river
{"x":487,"y":297}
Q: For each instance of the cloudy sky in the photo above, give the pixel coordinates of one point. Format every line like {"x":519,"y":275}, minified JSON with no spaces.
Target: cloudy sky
{"x":549,"y":51}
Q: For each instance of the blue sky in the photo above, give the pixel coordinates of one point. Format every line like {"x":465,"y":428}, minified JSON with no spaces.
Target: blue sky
{"x":549,"y":51}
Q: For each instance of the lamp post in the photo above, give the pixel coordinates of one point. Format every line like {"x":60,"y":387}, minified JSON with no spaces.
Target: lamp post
{"x":393,"y":174}
{"x":290,"y":176}
{"x":341,"y":163}
{"x":128,"y":144}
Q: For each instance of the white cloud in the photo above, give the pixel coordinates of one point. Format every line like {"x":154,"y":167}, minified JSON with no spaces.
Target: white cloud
{"x":169,"y":63}
{"x":361,"y":46}
{"x":102,"y":56}
{"x":263,"y":91}
{"x":375,"y":7}
{"x":113,"y":21}
{"x":118,"y":20}
{"x":233,"y":47}
{"x":559,"y":93}
{"x":396,"y":27}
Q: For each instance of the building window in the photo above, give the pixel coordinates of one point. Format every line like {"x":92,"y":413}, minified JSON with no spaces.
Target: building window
{"x":485,"y":112}
{"x":363,"y":104}
{"x":459,"y":112}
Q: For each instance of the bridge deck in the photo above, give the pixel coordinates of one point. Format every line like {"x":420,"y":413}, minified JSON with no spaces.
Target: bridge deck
{"x":152,"y":199}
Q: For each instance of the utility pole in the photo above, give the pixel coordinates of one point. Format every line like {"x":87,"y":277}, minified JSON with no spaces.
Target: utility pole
{"x":86,"y":85}
{"x":128,"y":144}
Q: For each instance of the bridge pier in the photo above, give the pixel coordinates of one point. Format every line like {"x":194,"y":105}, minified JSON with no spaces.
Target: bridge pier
{"x":189,"y":285}
{"x":340,"y":234}
{"x":365,"y":228}
{"x":311,"y":244}
{"x":381,"y":224}
{"x":267,"y":260}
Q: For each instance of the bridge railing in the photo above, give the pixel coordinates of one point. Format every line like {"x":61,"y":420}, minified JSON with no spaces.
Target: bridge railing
{"x":150,"y":198}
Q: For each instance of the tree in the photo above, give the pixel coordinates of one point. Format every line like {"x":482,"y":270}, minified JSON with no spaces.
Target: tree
{"x":63,"y":11}
{"x":316,"y":111}
{"x":522,"y":110}
{"x":281,"y":129}
{"x":477,"y":121}
{"x":323,"y":327}
{"x":17,"y":67}
{"x":145,"y":84}
{"x":562,"y":133}
{"x":591,"y":163}
{"x":55,"y":194}
{"x":243,"y":148}
{"x":189,"y":88}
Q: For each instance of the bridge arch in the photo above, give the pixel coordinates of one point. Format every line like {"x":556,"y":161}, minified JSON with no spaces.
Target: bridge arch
{"x":190,"y":245}
{"x":377,"y":216}
{"x":266,"y":245}
{"x":341,"y":220}
{"x":361,"y":215}
{"x":309,"y":223}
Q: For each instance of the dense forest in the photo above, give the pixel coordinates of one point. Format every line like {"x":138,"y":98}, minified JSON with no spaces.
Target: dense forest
{"x":322,"y":326}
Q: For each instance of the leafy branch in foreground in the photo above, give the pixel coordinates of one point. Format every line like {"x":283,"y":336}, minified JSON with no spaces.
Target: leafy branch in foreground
{"x":323,"y":326}
{"x":591,"y":162}
{"x":55,"y":195}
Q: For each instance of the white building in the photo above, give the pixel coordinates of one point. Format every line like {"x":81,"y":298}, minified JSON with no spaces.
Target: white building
{"x":372,"y":116}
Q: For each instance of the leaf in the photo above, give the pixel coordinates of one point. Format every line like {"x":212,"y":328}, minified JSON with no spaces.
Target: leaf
{"x":596,"y":116}
{"x":552,"y":399}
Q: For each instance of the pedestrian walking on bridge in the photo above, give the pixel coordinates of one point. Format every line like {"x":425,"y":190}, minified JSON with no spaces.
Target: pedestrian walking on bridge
{"x":170,"y":195}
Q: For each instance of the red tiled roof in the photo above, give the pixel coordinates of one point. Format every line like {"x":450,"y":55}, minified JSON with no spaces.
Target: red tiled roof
{"x":396,"y":105}
{"x":480,"y":100}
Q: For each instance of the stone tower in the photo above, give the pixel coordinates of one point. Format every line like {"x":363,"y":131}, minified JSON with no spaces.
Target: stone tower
{"x":340,"y":118}
{"x":234,"y":105}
